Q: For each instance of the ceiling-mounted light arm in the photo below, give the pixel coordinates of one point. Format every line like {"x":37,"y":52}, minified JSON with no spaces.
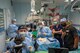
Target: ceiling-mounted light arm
{"x":47,"y":2}
{"x":68,"y":0}
{"x":33,"y":10}
{"x":32,"y":5}
{"x":68,"y":3}
{"x":11,"y":2}
{"x":74,"y":5}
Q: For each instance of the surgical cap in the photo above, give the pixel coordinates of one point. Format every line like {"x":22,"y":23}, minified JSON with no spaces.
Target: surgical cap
{"x":13,"y":19}
{"x":63,"y":20}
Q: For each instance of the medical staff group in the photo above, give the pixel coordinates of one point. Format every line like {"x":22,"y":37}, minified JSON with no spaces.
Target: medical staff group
{"x":39,"y":37}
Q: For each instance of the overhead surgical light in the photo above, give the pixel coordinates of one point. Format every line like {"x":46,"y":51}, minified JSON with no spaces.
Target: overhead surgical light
{"x":74,"y":6}
{"x":68,"y":0}
{"x":72,"y":0}
{"x":32,"y":5}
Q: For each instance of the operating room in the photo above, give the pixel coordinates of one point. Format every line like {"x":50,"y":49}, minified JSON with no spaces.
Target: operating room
{"x":39,"y":26}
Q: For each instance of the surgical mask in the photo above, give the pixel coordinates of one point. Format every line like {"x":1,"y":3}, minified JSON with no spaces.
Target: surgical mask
{"x":40,"y":26}
{"x":55,"y":23}
{"x":15,"y":23}
{"x":35,"y":24}
{"x":22,"y":33}
{"x":28,"y":29}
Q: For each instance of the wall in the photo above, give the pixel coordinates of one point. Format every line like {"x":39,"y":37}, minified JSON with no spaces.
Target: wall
{"x":75,"y":17}
{"x":2,"y":41}
{"x":6,"y":5}
{"x":21,"y":9}
{"x":8,"y":11}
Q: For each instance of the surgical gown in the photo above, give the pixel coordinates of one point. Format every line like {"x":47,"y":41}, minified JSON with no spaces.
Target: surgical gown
{"x":47,"y":43}
{"x":27,"y":42}
{"x":11,"y":31}
{"x":44,"y":30}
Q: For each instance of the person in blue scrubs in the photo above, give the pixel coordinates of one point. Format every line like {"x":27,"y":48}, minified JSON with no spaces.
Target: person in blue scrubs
{"x":29,"y":27}
{"x":12,"y":29}
{"x":24,"y":31}
{"x":57,"y":31}
{"x":44,"y":31}
{"x":21,"y":43}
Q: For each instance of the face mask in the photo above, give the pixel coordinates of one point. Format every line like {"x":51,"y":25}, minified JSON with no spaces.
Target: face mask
{"x":40,"y":26}
{"x":55,"y":23}
{"x":28,"y":29}
{"x":34,"y":23}
{"x":22,"y":33}
{"x":14,"y":23}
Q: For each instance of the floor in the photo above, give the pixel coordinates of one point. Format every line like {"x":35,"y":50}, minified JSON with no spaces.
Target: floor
{"x":77,"y":51}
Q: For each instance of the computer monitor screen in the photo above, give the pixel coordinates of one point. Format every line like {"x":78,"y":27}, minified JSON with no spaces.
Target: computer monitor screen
{"x":58,"y":50}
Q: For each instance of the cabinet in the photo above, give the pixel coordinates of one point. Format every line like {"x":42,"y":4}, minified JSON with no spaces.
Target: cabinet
{"x":1,"y":20}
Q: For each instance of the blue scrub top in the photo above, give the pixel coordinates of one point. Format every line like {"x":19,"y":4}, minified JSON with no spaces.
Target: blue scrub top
{"x":27,"y":42}
{"x":57,"y":28}
{"x":11,"y":31}
{"x":46,"y":30}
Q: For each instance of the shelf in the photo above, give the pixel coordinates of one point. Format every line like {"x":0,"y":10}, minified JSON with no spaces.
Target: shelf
{"x":1,"y":20}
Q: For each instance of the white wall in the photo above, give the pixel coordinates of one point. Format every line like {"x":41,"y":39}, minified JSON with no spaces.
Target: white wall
{"x":6,"y":5}
{"x":21,"y":9}
{"x":75,"y":17}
